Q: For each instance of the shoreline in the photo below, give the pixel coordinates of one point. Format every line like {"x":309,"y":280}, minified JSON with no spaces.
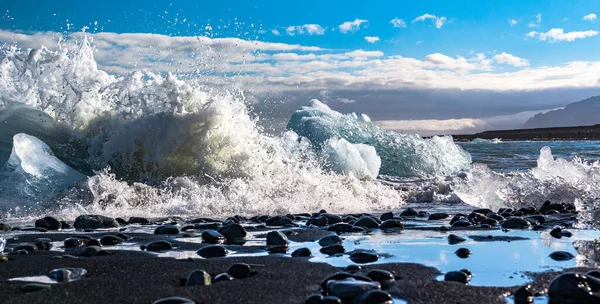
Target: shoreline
{"x":538,"y":134}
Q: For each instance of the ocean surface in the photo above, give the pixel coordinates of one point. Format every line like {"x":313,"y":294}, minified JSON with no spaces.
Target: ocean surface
{"x":75,"y":139}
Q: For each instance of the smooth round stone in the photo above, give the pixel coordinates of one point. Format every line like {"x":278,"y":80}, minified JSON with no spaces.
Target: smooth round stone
{"x":340,"y":228}
{"x":319,"y":221}
{"x":386,"y":216}
{"x":484,"y":211}
{"x":463,"y":253}
{"x":461,"y":223}
{"x":457,"y":218}
{"x":349,"y":289}
{"x":27,"y":247}
{"x":123,"y":236}
{"x":374,"y":297}
{"x":353,"y":268}
{"x":241,"y":270}
{"x":93,"y":242}
{"x":332,"y":218}
{"x":457,"y":276}
{"x":455,"y":239}
{"x":331,"y":300}
{"x":75,"y":242}
{"x":332,"y":249}
{"x":232,"y":231}
{"x":314,"y":299}
{"x":32,"y":287}
{"x":391,"y":224}
{"x":556,"y":232}
{"x":222,"y":277}
{"x":409,"y":212}
{"x":380,"y":275}
{"x":574,"y":287}
{"x":95,"y":222}
{"x":63,"y":275}
{"x":524,"y":294}
{"x":359,"y":229}
{"x":158,"y":246}
{"x":49,"y":223}
{"x":166,"y":229}
{"x":444,"y":228}
{"x":342,"y":276}
{"x":363,"y":257}
{"x":367,"y":222}
{"x":212,"y":225}
{"x":278,"y":221}
{"x":110,"y":240}
{"x":515,"y":223}
{"x":174,"y":300}
{"x":561,"y":256}
{"x":276,"y":238}
{"x":5,"y":227}
{"x":213,"y":251}
{"x":495,"y":216}
{"x":301,"y":252}
{"x":212,"y":237}
{"x":19,"y":252}
{"x":138,"y":220}
{"x":438,"y":216}
{"x":489,"y":221}
{"x":198,"y":277}
{"x":90,"y":251}
{"x":330,"y":240}
{"x":538,"y":217}
{"x":43,"y":245}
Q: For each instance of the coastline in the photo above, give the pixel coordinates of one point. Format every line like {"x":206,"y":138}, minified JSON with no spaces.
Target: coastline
{"x":538,"y":134}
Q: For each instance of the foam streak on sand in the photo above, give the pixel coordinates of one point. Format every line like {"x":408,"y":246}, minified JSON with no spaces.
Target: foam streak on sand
{"x":177,"y":147}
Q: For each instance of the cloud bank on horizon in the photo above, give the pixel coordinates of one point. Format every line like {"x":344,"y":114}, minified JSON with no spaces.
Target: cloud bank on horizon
{"x":409,"y":76}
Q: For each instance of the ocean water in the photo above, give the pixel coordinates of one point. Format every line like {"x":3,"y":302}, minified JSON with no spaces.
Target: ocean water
{"x":75,"y":139}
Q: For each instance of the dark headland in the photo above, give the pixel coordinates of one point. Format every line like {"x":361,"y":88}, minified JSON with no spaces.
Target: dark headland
{"x":556,"y":133}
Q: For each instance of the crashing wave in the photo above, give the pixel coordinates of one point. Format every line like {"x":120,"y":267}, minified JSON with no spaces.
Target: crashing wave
{"x":401,"y":154}
{"x":174,"y":146}
{"x":486,"y":141}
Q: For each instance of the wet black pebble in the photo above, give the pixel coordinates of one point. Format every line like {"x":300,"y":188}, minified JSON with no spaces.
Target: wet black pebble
{"x":157,"y":246}
{"x":301,"y":252}
{"x":138,"y":220}
{"x":222,"y":277}
{"x":363,"y":257}
{"x":455,"y":239}
{"x":489,"y":221}
{"x":233,"y":232}
{"x":374,"y":297}
{"x":330,"y":240}
{"x":212,"y":237}
{"x":74,"y":242}
{"x":342,"y":276}
{"x":556,"y":232}
{"x":367,"y":222}
{"x":515,"y":223}
{"x":174,"y":300}
{"x":438,"y":216}
{"x":110,"y":240}
{"x":380,"y":275}
{"x":278,"y":221}
{"x":202,"y":226}
{"x":49,"y":223}
{"x":561,"y":256}
{"x":198,"y":277}
{"x":524,"y":295}
{"x":319,"y":221}
{"x":241,"y":270}
{"x":314,"y":299}
{"x":43,"y":245}
{"x":353,"y":268}
{"x":457,"y":276}
{"x":391,"y":224}
{"x":95,"y":222}
{"x":461,"y":223}
{"x":213,"y":251}
{"x":409,"y":212}
{"x":594,"y":273}
{"x":166,"y":229}
{"x":463,"y":253}
{"x":574,"y":287}
{"x":340,"y":227}
{"x":349,"y":289}
{"x":386,"y":216}
{"x":333,"y":249}
{"x":276,"y":238}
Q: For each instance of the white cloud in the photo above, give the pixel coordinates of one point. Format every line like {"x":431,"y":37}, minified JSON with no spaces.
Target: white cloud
{"x":505,"y":58}
{"x":558,"y":34}
{"x":439,"y":21}
{"x":276,"y":32}
{"x":267,"y":66}
{"x":590,"y":17}
{"x":346,"y":100}
{"x":397,"y":22}
{"x":351,"y":26}
{"x":536,"y":22}
{"x":512,"y":22}
{"x":372,"y":39}
{"x":306,"y":29}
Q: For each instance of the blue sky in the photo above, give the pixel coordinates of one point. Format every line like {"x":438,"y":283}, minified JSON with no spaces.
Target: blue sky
{"x":440,"y":60}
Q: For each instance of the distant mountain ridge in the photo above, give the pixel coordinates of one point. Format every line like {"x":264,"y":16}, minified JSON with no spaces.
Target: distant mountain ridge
{"x":581,"y":113}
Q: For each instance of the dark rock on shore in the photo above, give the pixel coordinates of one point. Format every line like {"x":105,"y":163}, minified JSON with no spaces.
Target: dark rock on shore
{"x":386,"y":216}
{"x":110,"y":240}
{"x":241,"y":270}
{"x":409,"y":212}
{"x":5,"y":227}
{"x":276,"y":238}
{"x":574,"y":287}
{"x":363,"y":257}
{"x":302,"y":252}
{"x":561,"y":256}
{"x":222,"y":277}
{"x":515,"y":223}
{"x":457,"y":276}
{"x":138,"y":220}
{"x":455,"y":239}
{"x":212,"y":237}
{"x":367,"y":222}
{"x":166,"y":229}
{"x":374,"y":297}
{"x":463,"y":253}
{"x":391,"y":224}
{"x":95,"y":222}
{"x":49,"y":223}
{"x":198,"y":277}
{"x":333,"y":249}
{"x":340,"y":228}
{"x":524,"y":295}
{"x":74,"y":242}
{"x":232,"y":232}
{"x":157,"y":246}
{"x":213,"y":251}
{"x":278,"y":221}
{"x":437,"y":216}
{"x":348,"y":289}
{"x":380,"y":275}
{"x":330,"y":240}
